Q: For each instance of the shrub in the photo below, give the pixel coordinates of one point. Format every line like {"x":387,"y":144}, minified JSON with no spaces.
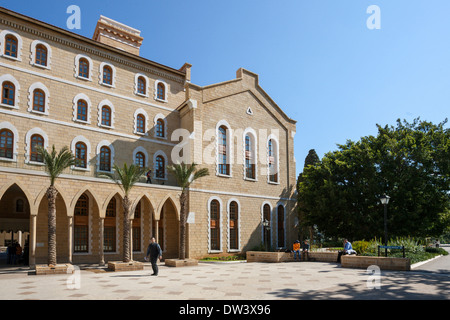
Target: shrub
{"x":360,"y":246}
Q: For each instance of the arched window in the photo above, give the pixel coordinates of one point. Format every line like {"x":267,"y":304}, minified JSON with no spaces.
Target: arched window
{"x":41,"y":55}
{"x":81,"y":155}
{"x":82,"y":110}
{"x":83,"y":68}
{"x":249,"y":161}
{"x":81,"y":225}
{"x":140,"y":159}
{"x":105,"y":159}
{"x":224,"y":166}
{"x":38,"y":100}
{"x":141,"y":86}
{"x":107,"y":75}
{"x":273,"y":159}
{"x":234,"y":226}
{"x":6,"y":144}
{"x":20,"y":206}
{"x":109,"y":231}
{"x":161,"y":91}
{"x":280,"y":226}
{"x":160,"y":130}
{"x":11,"y":46}
{"x":36,"y":141}
{"x":266,"y":225}
{"x":160,"y":168}
{"x":140,"y":123}
{"x":106,"y":116}
{"x":214,"y":225}
{"x":8,"y":93}
{"x":137,"y":228}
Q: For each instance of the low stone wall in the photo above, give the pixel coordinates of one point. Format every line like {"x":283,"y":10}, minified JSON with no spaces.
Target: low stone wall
{"x":125,"y":266}
{"x":43,"y":269}
{"x":262,"y":256}
{"x":384,"y":263}
{"x":180,"y":263}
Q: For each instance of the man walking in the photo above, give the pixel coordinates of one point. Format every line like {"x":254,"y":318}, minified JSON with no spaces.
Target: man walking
{"x":155,"y":253}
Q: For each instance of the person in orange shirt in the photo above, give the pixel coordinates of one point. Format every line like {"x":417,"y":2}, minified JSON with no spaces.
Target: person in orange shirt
{"x":296,"y":250}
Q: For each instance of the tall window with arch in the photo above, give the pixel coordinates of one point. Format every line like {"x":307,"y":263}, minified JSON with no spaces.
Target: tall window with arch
{"x":137,"y":227}
{"x":36,"y":141}
{"x":81,"y":225}
{"x":81,"y":155}
{"x":224,"y":166}
{"x":41,"y":55}
{"x":249,"y":160}
{"x":6,"y":144}
{"x":105,"y":159}
{"x":8,"y":93}
{"x":38,"y":100}
{"x":234,"y":225}
{"x":140,"y":159}
{"x":109,"y":229}
{"x":83,"y":68}
{"x":266,"y":226}
{"x":11,"y":46}
{"x":160,"y":167}
{"x":273,"y":159}
{"x":161,"y":91}
{"x":214,"y":226}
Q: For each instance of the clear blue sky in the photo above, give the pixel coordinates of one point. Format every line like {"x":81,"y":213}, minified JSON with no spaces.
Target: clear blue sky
{"x":316,"y":59}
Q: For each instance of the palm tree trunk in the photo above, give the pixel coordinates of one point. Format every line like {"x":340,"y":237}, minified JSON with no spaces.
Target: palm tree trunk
{"x":126,"y":230}
{"x":51,"y":196}
{"x":183,"y":218}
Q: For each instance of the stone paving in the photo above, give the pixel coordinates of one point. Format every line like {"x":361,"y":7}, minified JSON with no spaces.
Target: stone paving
{"x":227,"y":281}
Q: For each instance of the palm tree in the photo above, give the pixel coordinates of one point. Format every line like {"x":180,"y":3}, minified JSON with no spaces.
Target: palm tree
{"x":126,"y":177}
{"x":55,"y":164}
{"x":185,"y":175}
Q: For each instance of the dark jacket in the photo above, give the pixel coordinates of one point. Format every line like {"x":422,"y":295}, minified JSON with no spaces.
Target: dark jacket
{"x":154,"y":250}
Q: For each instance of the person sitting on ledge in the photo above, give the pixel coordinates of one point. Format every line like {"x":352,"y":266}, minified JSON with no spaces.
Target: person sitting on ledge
{"x":348,"y":249}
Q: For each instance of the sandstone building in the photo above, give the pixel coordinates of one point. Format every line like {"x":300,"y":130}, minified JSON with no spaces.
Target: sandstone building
{"x":110,"y":106}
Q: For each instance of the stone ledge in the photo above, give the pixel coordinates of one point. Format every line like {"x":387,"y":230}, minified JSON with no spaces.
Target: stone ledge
{"x":180,"y":263}
{"x":125,"y":266}
{"x":44,"y":269}
{"x":263,"y":256}
{"x":384,"y":263}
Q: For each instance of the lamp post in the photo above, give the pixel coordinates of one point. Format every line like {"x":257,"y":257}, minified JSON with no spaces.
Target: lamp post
{"x":266,"y":226}
{"x":384,"y":201}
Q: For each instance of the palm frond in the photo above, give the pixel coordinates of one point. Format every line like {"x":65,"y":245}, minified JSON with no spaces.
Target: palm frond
{"x":56,"y":163}
{"x":187,"y":174}
{"x":125,"y":177}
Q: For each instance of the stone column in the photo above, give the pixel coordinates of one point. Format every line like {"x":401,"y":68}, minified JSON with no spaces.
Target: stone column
{"x":70,"y":240}
{"x":102,"y":254}
{"x":32,"y":244}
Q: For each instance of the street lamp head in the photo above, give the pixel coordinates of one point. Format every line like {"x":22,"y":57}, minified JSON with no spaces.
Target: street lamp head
{"x":384,"y":199}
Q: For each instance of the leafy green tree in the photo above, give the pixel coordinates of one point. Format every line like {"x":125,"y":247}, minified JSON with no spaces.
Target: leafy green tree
{"x":409,"y":162}
{"x":185,"y":176}
{"x":55,"y":163}
{"x":126,"y":177}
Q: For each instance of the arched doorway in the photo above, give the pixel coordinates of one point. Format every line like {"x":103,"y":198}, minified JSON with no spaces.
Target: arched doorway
{"x":14,"y":227}
{"x":167,"y":229}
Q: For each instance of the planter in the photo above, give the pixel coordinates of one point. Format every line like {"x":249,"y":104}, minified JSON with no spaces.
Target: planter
{"x":125,"y":266}
{"x":43,"y":269}
{"x":262,"y":256}
{"x":181,"y":262}
{"x":384,"y":263}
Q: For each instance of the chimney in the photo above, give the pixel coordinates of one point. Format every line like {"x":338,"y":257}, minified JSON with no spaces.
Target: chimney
{"x":118,"y":35}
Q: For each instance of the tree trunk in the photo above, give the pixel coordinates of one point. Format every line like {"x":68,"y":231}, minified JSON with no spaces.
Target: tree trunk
{"x":51,"y":196}
{"x":126,"y":230}
{"x":183,"y":218}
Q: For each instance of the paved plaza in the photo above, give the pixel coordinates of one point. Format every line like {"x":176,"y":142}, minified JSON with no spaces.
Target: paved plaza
{"x":230,"y":281}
